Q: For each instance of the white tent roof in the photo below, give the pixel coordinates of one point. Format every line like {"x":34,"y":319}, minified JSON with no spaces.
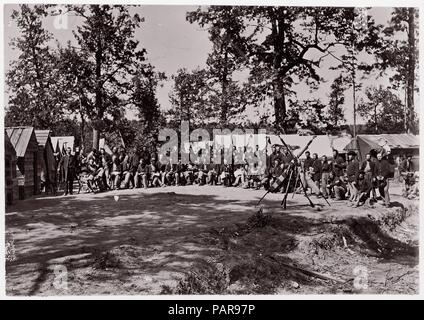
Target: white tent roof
{"x":339,"y":143}
{"x":64,"y":142}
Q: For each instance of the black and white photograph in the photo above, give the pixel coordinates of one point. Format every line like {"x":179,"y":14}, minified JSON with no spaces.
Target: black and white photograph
{"x":210,"y":149}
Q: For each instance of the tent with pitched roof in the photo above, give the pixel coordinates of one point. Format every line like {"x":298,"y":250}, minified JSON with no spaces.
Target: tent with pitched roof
{"x":25,"y":143}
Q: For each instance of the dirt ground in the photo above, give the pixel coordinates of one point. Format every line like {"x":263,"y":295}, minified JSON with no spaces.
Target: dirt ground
{"x":208,"y":240}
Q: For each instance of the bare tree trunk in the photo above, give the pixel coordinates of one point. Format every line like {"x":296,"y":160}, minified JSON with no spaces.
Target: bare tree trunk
{"x":354,"y":101}
{"x":375,"y":118}
{"x":96,"y":134}
{"x":224,"y":84}
{"x":99,"y":102}
{"x":82,"y":124}
{"x":405,"y":111}
{"x":278,"y":80}
{"x":411,"y":66}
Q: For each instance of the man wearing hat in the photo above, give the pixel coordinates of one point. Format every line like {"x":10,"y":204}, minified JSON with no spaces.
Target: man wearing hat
{"x":368,"y":167}
{"x":364,"y":188}
{"x":352,"y":170}
{"x":275,"y":155}
{"x":382,"y":170}
{"x":67,"y":163}
{"x":338,"y":164}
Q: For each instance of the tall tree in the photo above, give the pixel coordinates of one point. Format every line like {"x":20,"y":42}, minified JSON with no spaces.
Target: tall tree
{"x":362,"y":36}
{"x":225,"y":24}
{"x":106,"y":37}
{"x":34,"y":97}
{"x":144,"y":98}
{"x":382,"y":109}
{"x":336,"y":102}
{"x":285,"y":54}
{"x":75,"y":77}
{"x":399,"y":52}
{"x":189,"y":98}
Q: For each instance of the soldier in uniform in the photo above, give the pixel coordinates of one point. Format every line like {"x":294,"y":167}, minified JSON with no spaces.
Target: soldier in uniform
{"x":382,"y":170}
{"x":142,"y":174}
{"x":67,"y":165}
{"x":179,"y":173}
{"x":364,"y":189}
{"x":115,"y":174}
{"x":169,"y":173}
{"x":352,"y":170}
{"x":155,"y":174}
{"x":336,"y":186}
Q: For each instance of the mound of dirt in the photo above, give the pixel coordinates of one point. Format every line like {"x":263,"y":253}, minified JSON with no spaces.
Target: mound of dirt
{"x":270,"y":253}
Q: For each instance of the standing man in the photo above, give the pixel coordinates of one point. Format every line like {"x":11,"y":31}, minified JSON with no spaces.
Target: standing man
{"x":352,"y":171}
{"x":406,"y":165}
{"x":338,"y":164}
{"x":325,"y":174}
{"x":116,"y":172}
{"x":317,"y":170}
{"x":308,"y":163}
{"x":368,"y":167}
{"x":382,"y":169}
{"x":67,"y":165}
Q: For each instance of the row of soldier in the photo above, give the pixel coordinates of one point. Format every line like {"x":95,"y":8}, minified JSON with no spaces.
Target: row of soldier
{"x":336,"y":178}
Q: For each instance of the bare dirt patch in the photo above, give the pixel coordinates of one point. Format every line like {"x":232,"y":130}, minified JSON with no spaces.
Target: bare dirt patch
{"x":208,"y":240}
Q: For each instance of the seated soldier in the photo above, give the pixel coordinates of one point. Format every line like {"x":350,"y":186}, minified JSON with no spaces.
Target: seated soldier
{"x":105,"y":164}
{"x":239,"y":175}
{"x":253,"y":179}
{"x":213,"y":172}
{"x":169,"y":174}
{"x":127,"y":173}
{"x":142,"y":175}
{"x":94,"y":177}
{"x":364,"y":189}
{"x":410,"y":189}
{"x":336,"y":187}
{"x":155,"y":175}
{"x":266,"y":180}
{"x":116,"y":172}
{"x":277,"y":176}
{"x":224,"y":176}
{"x":202,"y":174}
{"x":189,"y":173}
{"x":245,"y":180}
{"x":100,"y":177}
{"x":179,"y":173}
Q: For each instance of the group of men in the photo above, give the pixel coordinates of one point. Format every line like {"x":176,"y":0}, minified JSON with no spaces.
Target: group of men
{"x":337,"y":178}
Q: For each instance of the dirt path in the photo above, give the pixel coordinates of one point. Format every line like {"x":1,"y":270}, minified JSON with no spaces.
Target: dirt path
{"x":201,"y":240}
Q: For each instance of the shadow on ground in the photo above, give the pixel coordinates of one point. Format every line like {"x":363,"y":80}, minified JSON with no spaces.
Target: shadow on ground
{"x":157,"y":237}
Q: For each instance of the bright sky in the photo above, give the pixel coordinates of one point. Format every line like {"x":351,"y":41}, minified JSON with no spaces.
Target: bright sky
{"x":173,"y":43}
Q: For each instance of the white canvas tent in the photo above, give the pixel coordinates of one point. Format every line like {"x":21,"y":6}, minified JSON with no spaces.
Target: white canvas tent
{"x":339,"y":143}
{"x":241,"y":140}
{"x":64,"y":142}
